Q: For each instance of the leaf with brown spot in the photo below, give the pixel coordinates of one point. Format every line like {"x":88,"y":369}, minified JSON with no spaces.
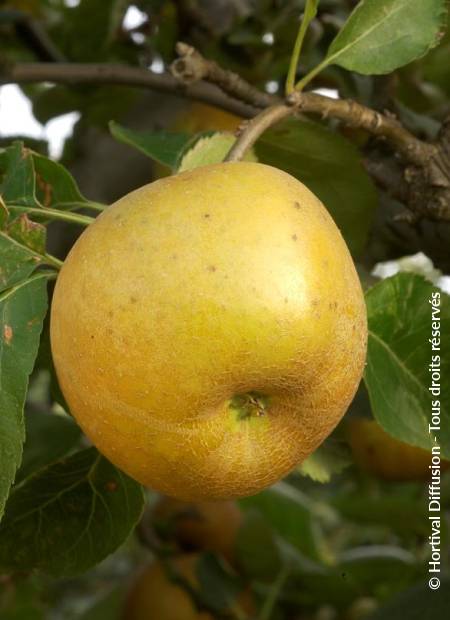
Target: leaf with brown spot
{"x":29,"y":233}
{"x":7,"y":333}
{"x":22,"y":303}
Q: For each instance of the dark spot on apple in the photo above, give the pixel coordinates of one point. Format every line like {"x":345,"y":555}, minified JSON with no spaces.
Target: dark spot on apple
{"x":206,"y":215}
{"x":296,"y":205}
{"x":174,"y":256}
{"x":286,"y":300}
{"x":133,"y":299}
{"x":294,"y":237}
{"x":110,"y":313}
{"x":212,"y":268}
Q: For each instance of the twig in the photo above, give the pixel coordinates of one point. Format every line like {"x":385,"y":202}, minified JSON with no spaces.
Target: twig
{"x":193,"y":67}
{"x":350,"y":112}
{"x":105,"y":73}
{"x":255,"y":127}
{"x":356,"y":115}
{"x":427,"y":165}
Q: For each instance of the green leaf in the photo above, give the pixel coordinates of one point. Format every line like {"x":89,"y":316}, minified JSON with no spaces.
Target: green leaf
{"x":22,"y":309}
{"x":83,"y":502}
{"x":210,"y":149}
{"x":382,"y":35}
{"x":32,"y":180}
{"x":18,"y":184}
{"x":55,"y":186}
{"x":161,"y":146}
{"x":89,"y":30}
{"x":257,"y":551}
{"x":218,"y":588}
{"x":397,"y":511}
{"x":292,"y":515}
{"x":331,"y":457}
{"x":49,"y":437}
{"x":28,"y":233}
{"x":397,"y":374}
{"x":17,"y":261}
{"x":21,"y":599}
{"x":329,"y":166}
{"x":417,"y":603}
{"x":375,"y":565}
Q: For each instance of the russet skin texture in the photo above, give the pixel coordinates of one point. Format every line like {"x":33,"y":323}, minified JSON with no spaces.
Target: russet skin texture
{"x":209,"y":330}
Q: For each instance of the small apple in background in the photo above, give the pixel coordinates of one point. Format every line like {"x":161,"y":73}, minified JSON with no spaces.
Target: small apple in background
{"x":380,"y":454}
{"x":198,"y":118}
{"x":156,"y":595}
{"x":202,"y":117}
{"x":201,"y":526}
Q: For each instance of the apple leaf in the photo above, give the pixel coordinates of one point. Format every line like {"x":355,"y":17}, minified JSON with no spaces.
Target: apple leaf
{"x":32,"y":180}
{"x":18,"y":183}
{"x":257,"y":549}
{"x":382,"y":35}
{"x":55,"y":186}
{"x":293,"y":515}
{"x":83,"y":501}
{"x":17,"y":261}
{"x":210,"y":149}
{"x":378,"y":565}
{"x":49,"y":437}
{"x":390,"y":509}
{"x":331,"y":457}
{"x":330,"y":166}
{"x":218,"y":587}
{"x":22,"y":309}
{"x":23,"y":601}
{"x":28,"y":233}
{"x":162,"y":146}
{"x":397,"y":374}
{"x":419,"y":602}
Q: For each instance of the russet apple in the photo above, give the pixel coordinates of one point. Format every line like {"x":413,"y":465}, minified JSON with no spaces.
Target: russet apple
{"x":209,"y":330}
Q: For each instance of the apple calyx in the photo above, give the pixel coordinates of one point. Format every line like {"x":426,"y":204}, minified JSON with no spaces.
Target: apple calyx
{"x":249,"y":405}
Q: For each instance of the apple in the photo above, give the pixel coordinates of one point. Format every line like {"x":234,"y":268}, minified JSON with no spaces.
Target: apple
{"x":159,"y":592}
{"x":197,"y":118}
{"x":200,"y":526}
{"x":380,"y":454}
{"x":209,"y":330}
{"x":154,"y":595}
